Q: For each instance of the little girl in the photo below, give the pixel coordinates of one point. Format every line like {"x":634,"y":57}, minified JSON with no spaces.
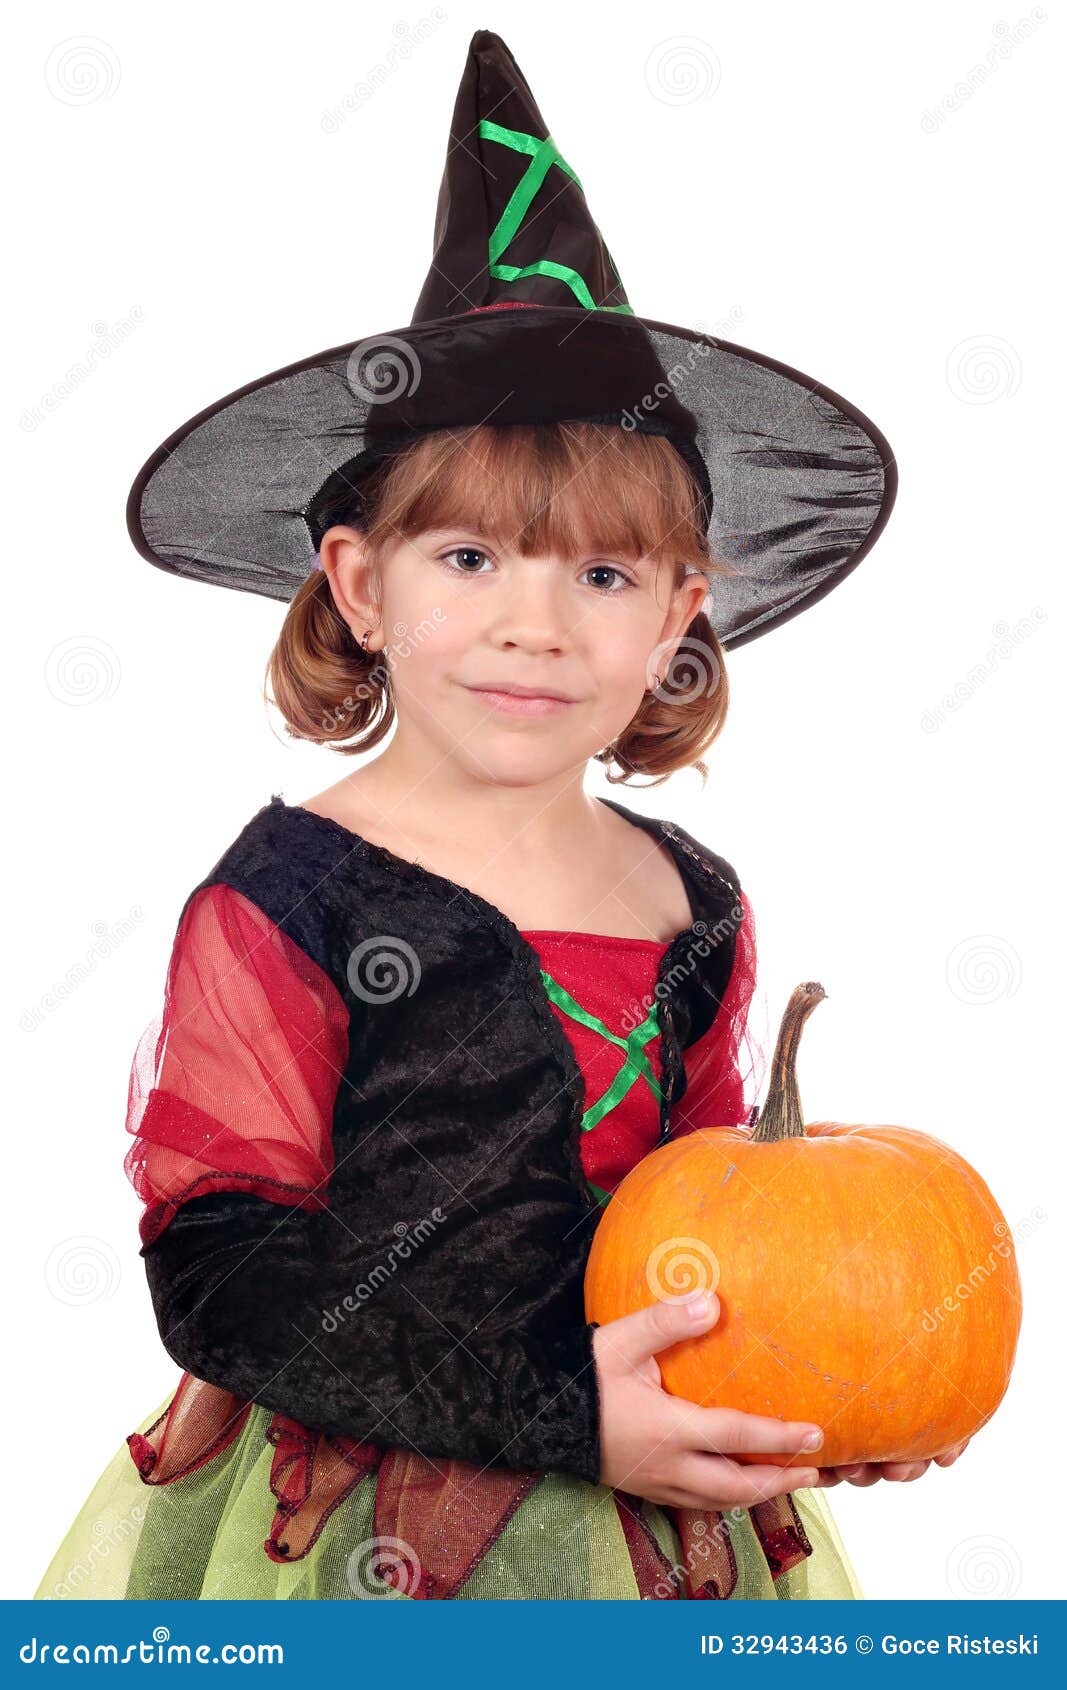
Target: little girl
{"x":417,"y":1029}
{"x":366,"y":1200}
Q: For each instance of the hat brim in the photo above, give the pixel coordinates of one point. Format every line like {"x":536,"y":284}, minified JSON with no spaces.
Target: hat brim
{"x":802,"y":481}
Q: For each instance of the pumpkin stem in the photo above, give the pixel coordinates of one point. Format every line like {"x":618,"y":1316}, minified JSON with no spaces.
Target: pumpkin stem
{"x":781,"y":1116}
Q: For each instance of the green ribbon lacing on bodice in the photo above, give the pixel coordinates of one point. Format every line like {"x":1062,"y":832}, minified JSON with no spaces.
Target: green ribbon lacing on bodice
{"x":543,"y":155}
{"x":635,"y":1065}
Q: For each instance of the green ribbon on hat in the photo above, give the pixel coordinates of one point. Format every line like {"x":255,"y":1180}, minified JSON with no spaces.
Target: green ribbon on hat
{"x":543,"y":155}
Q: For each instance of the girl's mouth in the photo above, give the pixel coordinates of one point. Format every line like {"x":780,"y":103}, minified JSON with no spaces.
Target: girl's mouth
{"x":515,"y":704}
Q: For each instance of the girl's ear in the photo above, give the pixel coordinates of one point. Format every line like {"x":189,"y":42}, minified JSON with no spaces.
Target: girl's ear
{"x":347,"y":565}
{"x":686,"y":602}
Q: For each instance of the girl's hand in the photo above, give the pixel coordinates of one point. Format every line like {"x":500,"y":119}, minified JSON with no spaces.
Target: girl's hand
{"x":672,"y":1451}
{"x":867,"y":1472}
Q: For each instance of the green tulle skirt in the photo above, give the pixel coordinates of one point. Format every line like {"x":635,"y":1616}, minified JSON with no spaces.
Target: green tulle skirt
{"x":201,"y":1537}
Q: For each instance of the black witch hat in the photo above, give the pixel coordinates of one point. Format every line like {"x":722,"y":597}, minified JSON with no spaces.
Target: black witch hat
{"x":523,"y":319}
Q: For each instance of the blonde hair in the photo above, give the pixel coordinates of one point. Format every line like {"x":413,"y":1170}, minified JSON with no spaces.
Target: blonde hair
{"x":562,"y":488}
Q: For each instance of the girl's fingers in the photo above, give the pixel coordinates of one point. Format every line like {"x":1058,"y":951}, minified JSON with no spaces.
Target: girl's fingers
{"x":866,"y":1473}
{"x":861,"y":1473}
{"x":711,"y":1476}
{"x":728,"y":1431}
{"x":904,"y":1470}
{"x":950,"y":1455}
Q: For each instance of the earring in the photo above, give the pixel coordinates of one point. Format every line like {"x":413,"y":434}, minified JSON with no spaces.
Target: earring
{"x":363,"y":642}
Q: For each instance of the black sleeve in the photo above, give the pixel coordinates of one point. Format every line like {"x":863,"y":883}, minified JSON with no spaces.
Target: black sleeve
{"x":421,"y":1343}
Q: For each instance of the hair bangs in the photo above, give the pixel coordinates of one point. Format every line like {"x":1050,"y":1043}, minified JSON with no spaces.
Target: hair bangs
{"x":570,"y":490}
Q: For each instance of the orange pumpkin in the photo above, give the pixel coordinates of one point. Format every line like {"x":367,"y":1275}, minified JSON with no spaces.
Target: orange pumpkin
{"x":866,"y":1277}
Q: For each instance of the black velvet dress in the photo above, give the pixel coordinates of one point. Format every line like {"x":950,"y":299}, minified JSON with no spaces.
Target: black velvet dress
{"x":373,"y":1131}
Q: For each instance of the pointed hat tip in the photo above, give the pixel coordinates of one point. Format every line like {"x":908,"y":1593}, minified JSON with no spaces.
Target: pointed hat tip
{"x":487,"y":251}
{"x":484,"y":38}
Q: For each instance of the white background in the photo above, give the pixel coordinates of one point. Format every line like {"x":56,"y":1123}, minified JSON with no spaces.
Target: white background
{"x":863,"y":193}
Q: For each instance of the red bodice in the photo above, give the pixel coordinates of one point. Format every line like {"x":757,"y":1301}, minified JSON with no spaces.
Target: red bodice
{"x":613,"y":981}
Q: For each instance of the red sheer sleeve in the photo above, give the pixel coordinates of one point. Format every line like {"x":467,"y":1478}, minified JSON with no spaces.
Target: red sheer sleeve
{"x":725,"y":1067}
{"x":232,"y":1088}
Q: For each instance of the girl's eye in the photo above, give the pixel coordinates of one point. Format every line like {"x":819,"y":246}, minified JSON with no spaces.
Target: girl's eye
{"x":610,"y":569}
{"x":464,"y":553}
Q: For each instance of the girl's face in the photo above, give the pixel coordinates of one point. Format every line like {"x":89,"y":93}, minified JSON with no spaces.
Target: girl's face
{"x":463,"y":613}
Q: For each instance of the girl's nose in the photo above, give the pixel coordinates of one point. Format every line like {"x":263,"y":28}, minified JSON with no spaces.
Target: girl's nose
{"x":532,"y":610}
